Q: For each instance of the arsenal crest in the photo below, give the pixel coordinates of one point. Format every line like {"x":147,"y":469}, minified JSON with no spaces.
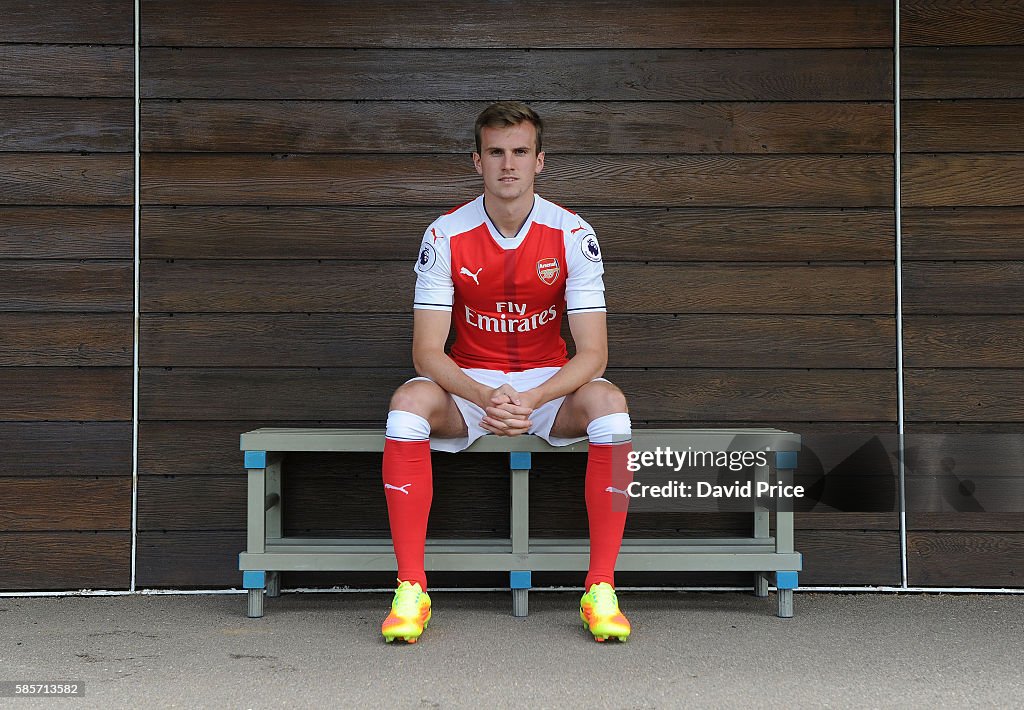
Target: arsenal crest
{"x":547,"y":270}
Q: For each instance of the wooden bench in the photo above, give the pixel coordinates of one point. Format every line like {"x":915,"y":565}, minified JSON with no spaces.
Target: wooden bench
{"x":268,"y":552}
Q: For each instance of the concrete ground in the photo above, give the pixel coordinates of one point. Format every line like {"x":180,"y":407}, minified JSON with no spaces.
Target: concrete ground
{"x":688,"y":649}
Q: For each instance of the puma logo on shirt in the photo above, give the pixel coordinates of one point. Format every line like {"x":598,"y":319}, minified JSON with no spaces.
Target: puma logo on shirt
{"x":471,"y":275}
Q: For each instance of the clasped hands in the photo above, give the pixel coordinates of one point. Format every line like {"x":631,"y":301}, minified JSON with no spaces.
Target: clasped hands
{"x":508,"y":413}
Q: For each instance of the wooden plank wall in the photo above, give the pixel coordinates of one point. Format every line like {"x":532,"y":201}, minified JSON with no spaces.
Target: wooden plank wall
{"x":736,"y":160}
{"x":963,"y":242}
{"x":66,"y":294}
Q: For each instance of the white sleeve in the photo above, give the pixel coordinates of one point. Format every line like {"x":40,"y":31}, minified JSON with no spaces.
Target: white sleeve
{"x":584,"y":284}
{"x":435,"y":290}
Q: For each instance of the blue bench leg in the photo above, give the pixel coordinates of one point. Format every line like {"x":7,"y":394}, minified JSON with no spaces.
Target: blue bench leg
{"x":520,"y":581}
{"x":786,"y":582}
{"x":255,"y":581}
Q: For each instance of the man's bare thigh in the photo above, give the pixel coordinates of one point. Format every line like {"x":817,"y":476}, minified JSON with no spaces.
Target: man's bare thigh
{"x":430,"y":401}
{"x":594,"y":399}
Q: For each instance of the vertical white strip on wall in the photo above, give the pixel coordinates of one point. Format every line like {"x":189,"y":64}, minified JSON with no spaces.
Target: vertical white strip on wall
{"x":899,"y":306}
{"x":135,"y":314}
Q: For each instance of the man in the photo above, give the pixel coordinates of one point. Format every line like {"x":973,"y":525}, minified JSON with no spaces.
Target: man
{"x":506,"y":266}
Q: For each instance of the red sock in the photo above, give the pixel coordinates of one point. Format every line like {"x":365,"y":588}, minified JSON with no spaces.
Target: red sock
{"x":409,"y":489}
{"x":606,"y":510}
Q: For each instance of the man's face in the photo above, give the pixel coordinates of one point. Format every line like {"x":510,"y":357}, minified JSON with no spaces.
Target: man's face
{"x":508,"y":160}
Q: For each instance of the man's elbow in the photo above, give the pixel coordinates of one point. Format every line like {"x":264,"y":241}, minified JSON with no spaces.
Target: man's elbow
{"x":598,"y":358}
{"x":421,"y":359}
{"x":418,"y":362}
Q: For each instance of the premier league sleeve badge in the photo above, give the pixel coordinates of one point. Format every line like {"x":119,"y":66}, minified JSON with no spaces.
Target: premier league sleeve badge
{"x":427,"y":258}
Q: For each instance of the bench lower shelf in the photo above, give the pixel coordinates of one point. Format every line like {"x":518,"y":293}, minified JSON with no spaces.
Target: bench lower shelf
{"x":339,"y":555}
{"x":756,"y":555}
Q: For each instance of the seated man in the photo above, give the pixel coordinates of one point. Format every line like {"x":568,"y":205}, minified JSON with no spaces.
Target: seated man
{"x":507,"y":265}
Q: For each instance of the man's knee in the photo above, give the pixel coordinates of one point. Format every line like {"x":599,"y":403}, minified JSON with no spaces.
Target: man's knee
{"x":420,"y":397}
{"x":600,"y":398}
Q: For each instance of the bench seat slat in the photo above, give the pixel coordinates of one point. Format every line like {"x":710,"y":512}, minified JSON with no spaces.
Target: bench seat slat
{"x":335,"y":440}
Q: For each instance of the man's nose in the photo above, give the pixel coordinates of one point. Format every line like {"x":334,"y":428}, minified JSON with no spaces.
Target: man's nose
{"x":506,"y":162}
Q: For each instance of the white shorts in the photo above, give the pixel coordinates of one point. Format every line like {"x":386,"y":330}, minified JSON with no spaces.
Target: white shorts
{"x":543,"y":418}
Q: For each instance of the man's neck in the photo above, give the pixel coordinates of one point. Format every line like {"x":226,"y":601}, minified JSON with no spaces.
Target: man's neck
{"x":508,"y":217}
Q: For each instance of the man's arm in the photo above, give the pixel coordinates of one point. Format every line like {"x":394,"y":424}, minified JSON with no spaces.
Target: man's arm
{"x":590,"y":332}
{"x":429,"y":334}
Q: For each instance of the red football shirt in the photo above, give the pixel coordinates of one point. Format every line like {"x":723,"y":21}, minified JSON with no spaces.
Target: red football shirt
{"x":507,"y":294}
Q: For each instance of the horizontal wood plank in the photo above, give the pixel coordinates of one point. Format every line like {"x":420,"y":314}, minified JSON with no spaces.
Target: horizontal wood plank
{"x":964,"y":427}
{"x":752,"y":341}
{"x":58,"y":504}
{"x":362,"y":394}
{"x":961,"y":72}
{"x":533,"y":23}
{"x":190,"y":449}
{"x":955,"y":22}
{"x":182,"y":560}
{"x":66,"y":233}
{"x":978,"y":521}
{"x":967,"y":455}
{"x":538,"y":75}
{"x":44,"y":124}
{"x":937,"y":287}
{"x":968,"y":395}
{"x":68,"y":21}
{"x":65,"y":179}
{"x":388,"y":233}
{"x":832,"y":289}
{"x":976,"y":559}
{"x":849,"y":557}
{"x":963,"y":341}
{"x":39,"y":561}
{"x":386,"y":287}
{"x":962,"y":126}
{"x":66,"y":448}
{"x":951,"y":491}
{"x":985,"y":180}
{"x":846,"y":521}
{"x":443,"y":180}
{"x":576,"y":127}
{"x":66,"y":394}
{"x":65,"y":286}
{"x":963,"y":233}
{"x":67,"y":70}
{"x":59,"y":339}
{"x":193,"y":503}
{"x":326,"y":340}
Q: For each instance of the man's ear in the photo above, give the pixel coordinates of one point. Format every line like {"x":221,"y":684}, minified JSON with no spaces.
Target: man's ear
{"x":540,"y":163}
{"x":476,"y":163}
